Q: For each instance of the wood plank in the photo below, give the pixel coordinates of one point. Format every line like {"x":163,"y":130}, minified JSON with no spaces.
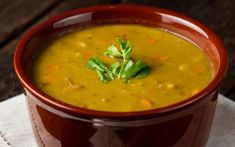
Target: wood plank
{"x":228,"y":85}
{"x":9,"y":85}
{"x":4,"y":4}
{"x":16,"y":14}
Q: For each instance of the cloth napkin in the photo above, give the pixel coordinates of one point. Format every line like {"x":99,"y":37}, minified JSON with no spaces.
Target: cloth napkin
{"x":16,"y":131}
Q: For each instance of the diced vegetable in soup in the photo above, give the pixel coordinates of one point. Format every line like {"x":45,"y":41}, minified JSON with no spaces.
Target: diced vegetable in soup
{"x":176,"y":68}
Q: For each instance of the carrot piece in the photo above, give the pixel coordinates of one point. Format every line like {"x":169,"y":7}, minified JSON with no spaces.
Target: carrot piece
{"x":87,"y":54}
{"x":124,"y":36}
{"x":151,"y":41}
{"x":158,"y":58}
{"x":199,"y":69}
{"x":49,"y":78}
{"x":53,"y":66}
{"x":100,"y":42}
{"x":146,"y":102}
{"x":163,"y":58}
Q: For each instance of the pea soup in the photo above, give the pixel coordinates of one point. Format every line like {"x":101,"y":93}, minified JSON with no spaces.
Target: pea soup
{"x":176,"y":68}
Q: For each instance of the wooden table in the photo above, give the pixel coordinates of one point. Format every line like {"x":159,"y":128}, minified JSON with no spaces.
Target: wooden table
{"x":17,"y":16}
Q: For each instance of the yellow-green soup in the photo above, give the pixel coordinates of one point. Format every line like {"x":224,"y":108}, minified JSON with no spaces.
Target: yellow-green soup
{"x":179,"y":69}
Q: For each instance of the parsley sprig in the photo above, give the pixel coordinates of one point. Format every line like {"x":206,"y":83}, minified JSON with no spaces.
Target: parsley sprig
{"x":126,"y":69}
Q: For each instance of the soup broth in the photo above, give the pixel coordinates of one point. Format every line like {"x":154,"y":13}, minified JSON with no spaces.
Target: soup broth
{"x":179,"y":69}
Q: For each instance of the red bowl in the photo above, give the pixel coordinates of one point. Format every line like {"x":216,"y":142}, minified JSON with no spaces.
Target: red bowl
{"x":55,"y":123}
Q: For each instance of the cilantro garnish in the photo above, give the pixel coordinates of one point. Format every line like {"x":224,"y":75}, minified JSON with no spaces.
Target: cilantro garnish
{"x":127,"y":69}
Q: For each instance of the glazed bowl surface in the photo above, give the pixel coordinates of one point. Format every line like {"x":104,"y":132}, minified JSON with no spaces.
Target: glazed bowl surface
{"x":55,"y":123}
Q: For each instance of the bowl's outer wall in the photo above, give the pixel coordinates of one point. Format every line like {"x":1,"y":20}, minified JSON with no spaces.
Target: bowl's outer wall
{"x":189,"y":128}
{"x":187,"y":124}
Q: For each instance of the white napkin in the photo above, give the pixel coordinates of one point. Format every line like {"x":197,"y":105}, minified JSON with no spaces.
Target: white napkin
{"x":15,"y":128}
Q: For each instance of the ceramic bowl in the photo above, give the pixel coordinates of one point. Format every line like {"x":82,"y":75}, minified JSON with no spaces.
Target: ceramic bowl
{"x":184,"y":124}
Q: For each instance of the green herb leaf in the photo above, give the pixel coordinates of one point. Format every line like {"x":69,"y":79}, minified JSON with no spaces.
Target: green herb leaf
{"x":115,"y":69}
{"x":126,"y":67}
{"x":126,"y":48}
{"x":135,"y":68}
{"x":103,"y":77}
{"x":112,"y":51}
{"x":96,"y":64}
{"x":145,"y":71}
{"x":101,"y":69}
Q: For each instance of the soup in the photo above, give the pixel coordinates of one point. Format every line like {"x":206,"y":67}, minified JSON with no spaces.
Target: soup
{"x":178,"y":69}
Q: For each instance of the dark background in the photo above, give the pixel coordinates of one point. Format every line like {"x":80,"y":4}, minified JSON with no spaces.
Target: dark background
{"x":17,"y":16}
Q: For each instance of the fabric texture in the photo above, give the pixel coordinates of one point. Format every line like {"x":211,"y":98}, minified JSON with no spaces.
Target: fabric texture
{"x":16,"y":131}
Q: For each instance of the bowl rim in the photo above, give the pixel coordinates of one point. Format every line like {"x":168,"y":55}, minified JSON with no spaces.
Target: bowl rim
{"x":87,"y":113}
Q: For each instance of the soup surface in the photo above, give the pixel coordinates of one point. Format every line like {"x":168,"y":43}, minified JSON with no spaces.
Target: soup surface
{"x":179,"y":69}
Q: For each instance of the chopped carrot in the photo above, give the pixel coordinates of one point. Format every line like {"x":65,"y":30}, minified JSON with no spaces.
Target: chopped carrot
{"x":124,"y":36}
{"x":199,"y":69}
{"x":151,"y":41}
{"x":49,"y":78}
{"x":53,"y":66}
{"x":87,"y":54}
{"x":146,"y":102}
{"x":163,"y":58}
{"x":121,"y":34}
{"x":159,"y":58}
{"x":100,"y":42}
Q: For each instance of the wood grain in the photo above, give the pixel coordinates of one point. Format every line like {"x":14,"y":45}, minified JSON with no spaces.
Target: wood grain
{"x":9,"y":85}
{"x":16,"y":14}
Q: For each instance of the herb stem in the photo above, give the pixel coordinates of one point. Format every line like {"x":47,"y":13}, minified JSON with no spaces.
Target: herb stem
{"x":122,"y":67}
